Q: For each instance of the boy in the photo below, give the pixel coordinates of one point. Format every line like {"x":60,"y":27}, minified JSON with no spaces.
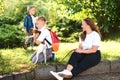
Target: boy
{"x":41,"y":39}
{"x":29,"y":23}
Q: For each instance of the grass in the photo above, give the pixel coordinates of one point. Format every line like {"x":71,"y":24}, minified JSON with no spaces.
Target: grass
{"x":17,"y":59}
{"x":110,"y":50}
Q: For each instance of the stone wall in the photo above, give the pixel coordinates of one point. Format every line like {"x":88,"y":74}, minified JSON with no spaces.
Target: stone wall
{"x":42,"y":73}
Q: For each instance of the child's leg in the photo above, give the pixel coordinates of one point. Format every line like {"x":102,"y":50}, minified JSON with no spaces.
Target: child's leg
{"x":32,"y":43}
{"x":27,"y":40}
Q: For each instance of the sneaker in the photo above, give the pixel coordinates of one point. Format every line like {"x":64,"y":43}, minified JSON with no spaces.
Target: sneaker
{"x":56,"y":75}
{"x":65,"y":74}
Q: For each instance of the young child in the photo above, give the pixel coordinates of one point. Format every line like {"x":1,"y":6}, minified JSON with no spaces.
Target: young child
{"x":29,"y":23}
{"x":44,"y":51}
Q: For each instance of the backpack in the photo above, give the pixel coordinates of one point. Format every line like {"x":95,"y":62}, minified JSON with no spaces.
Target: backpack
{"x":55,"y":41}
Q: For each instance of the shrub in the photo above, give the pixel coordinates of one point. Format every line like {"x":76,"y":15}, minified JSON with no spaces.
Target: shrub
{"x":11,"y":36}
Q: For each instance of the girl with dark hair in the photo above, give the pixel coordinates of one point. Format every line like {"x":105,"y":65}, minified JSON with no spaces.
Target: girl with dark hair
{"x":86,"y":55}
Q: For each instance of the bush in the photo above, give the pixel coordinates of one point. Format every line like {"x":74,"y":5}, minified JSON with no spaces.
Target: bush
{"x":11,"y":36}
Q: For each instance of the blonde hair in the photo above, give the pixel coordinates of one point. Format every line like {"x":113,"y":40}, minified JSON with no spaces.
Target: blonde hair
{"x":42,"y":18}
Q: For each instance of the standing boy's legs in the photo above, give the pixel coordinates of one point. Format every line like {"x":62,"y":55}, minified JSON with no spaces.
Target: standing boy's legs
{"x":29,"y":39}
{"x":32,"y":43}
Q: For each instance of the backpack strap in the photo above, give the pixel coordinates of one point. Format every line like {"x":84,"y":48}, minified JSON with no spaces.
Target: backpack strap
{"x":48,"y":41}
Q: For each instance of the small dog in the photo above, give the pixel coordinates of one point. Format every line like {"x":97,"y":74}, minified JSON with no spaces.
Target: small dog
{"x":41,"y":50}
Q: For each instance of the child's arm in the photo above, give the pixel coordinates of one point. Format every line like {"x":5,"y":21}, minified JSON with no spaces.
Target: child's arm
{"x":37,"y":41}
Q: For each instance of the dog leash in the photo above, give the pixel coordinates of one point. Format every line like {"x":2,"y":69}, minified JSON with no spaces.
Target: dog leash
{"x":56,"y":67}
{"x":66,"y":55}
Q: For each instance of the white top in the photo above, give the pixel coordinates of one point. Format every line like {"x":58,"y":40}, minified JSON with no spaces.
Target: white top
{"x":33,"y":21}
{"x":45,"y":33}
{"x":90,"y":40}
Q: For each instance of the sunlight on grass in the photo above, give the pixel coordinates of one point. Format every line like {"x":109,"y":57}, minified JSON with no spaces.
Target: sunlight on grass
{"x":12,"y":58}
{"x":110,"y":50}
{"x":17,"y":59}
{"x":65,"y":48}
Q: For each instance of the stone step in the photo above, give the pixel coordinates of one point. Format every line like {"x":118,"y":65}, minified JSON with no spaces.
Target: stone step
{"x":105,"y":70}
{"x":102,"y":68}
{"x":107,"y":76}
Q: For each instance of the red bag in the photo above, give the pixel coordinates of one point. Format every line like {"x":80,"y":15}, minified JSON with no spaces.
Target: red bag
{"x":55,"y":41}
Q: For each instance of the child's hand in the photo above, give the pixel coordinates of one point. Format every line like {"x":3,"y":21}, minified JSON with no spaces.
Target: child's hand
{"x":24,"y":30}
{"x":36,"y":36}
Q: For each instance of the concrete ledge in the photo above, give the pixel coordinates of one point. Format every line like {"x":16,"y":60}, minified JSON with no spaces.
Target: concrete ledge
{"x":115,"y":66}
{"x":19,"y":76}
{"x":60,"y":67}
{"x":30,"y":75}
{"x":6,"y":77}
{"x":104,"y":76}
{"x":43,"y":72}
{"x":102,"y":67}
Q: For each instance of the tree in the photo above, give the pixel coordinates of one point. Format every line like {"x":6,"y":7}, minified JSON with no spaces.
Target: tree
{"x":106,"y":12}
{"x":12,"y":12}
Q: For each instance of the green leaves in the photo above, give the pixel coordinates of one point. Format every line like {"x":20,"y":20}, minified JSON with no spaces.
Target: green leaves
{"x":64,"y":16}
{"x":106,"y":14}
{"x":11,"y":36}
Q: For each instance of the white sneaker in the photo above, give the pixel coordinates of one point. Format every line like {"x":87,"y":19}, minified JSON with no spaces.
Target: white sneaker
{"x":56,"y":75}
{"x":65,"y":74}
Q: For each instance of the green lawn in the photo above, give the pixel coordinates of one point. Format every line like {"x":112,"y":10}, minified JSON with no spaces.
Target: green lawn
{"x":17,"y":59}
{"x":109,"y":49}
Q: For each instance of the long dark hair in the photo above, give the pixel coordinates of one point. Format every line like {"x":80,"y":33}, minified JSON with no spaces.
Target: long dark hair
{"x":93,"y":27}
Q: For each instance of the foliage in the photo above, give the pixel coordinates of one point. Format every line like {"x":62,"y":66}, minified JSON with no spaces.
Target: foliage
{"x":13,"y":12}
{"x":1,"y":8}
{"x":106,"y":13}
{"x":11,"y":36}
{"x":63,"y":16}
{"x":11,"y":15}
{"x":66,"y":18}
